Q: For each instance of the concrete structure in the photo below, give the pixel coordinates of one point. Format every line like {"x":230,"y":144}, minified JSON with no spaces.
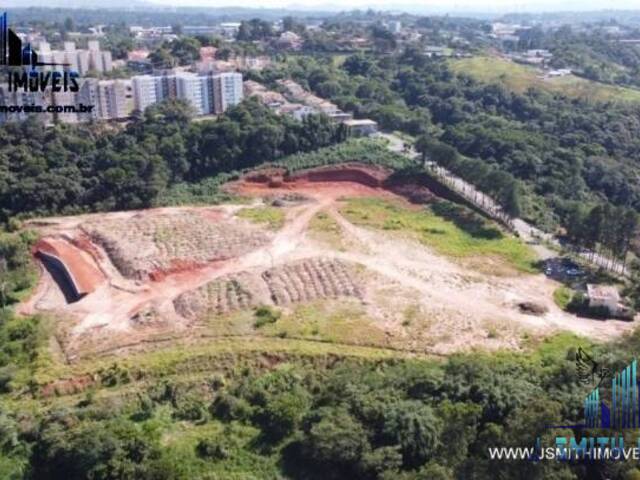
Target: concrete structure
{"x":227,"y":90}
{"x":607,"y":297}
{"x":195,"y":90}
{"x":395,"y":26}
{"x":603,"y":296}
{"x":297,"y":110}
{"x":361,"y":127}
{"x":146,"y":91}
{"x":212,"y":93}
{"x":65,"y":99}
{"x":112,"y":99}
{"x":23,"y":99}
{"x":199,"y":30}
{"x":83,"y":61}
{"x":229,"y":29}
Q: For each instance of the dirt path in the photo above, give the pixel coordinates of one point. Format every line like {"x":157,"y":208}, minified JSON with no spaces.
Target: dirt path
{"x":460,"y":301}
{"x":443,"y":282}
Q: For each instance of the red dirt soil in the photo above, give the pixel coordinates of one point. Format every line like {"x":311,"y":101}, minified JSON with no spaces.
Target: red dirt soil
{"x":87,"y":275}
{"x":177,"y":266}
{"x":366,"y":175}
{"x":83,"y":242}
{"x":350,"y":179}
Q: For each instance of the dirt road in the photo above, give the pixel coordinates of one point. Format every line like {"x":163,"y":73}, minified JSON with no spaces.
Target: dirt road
{"x":459,"y":307}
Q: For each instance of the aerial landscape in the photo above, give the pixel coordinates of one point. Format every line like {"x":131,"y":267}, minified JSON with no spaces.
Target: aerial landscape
{"x":277,"y":242}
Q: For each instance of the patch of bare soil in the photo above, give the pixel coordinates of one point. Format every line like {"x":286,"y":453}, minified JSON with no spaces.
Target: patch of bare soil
{"x":166,"y":271}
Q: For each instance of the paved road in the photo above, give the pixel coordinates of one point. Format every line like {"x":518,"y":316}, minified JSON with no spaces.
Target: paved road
{"x":525,"y":230}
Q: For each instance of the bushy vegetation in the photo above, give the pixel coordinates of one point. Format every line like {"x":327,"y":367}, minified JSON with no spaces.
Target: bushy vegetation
{"x":448,"y":228}
{"x":68,"y":169}
{"x":17,"y":273}
{"x":520,"y":78}
{"x":272,"y":217}
{"x":353,"y":150}
{"x":311,"y":418}
{"x":562,"y":297}
{"x":559,"y":148}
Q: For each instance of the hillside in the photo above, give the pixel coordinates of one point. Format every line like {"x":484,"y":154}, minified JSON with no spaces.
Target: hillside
{"x":518,"y":78}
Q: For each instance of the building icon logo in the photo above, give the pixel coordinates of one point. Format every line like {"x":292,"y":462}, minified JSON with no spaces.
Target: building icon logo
{"x":625,"y":407}
{"x":30,"y":78}
{"x":13,"y":54}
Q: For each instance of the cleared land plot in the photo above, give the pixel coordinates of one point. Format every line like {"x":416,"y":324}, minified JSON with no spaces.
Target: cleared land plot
{"x":302,"y":281}
{"x":310,"y":279}
{"x":384,"y":273}
{"x":519,"y":78}
{"x":156,"y":242}
{"x":233,"y":292}
{"x":449,"y":229}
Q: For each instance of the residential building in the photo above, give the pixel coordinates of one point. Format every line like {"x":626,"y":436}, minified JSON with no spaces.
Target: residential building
{"x":227,"y":90}
{"x":361,"y":127}
{"x":112,"y":99}
{"x":146,"y":91}
{"x":21,"y":99}
{"x":229,"y":29}
{"x":199,"y":30}
{"x":194,"y":89}
{"x":88,"y":95}
{"x":80,"y":60}
{"x":65,"y":100}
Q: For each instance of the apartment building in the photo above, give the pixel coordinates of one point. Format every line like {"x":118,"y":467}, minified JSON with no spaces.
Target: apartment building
{"x":20,"y":99}
{"x":195,"y":90}
{"x":227,"y":90}
{"x":65,"y":99}
{"x":81,"y":60}
{"x":212,"y":93}
{"x":144,"y":91}
{"x":112,"y":99}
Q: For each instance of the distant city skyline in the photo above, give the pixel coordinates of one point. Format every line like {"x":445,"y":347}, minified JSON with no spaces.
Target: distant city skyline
{"x":490,"y":6}
{"x":409,"y":6}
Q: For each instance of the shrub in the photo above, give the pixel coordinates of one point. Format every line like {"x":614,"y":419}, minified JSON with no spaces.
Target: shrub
{"x":212,"y":449}
{"x":229,"y":407}
{"x":265,"y":315}
{"x":192,"y":409}
{"x":562,"y":296}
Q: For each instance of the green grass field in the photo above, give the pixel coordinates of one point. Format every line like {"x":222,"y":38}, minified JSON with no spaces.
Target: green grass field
{"x":270,"y":216}
{"x":519,"y":78}
{"x":449,"y":229}
{"x":562,"y":296}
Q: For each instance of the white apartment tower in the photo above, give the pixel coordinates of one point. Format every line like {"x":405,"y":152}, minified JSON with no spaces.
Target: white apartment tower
{"x":112,"y":99}
{"x":193,"y":89}
{"x":146,"y":91}
{"x":109,"y":98}
{"x":227,"y":90}
{"x":206,"y":93}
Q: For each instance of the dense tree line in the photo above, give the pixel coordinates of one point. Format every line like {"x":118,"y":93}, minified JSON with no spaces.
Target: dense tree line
{"x":562,"y":150}
{"x":603,"y":227}
{"x":67,"y":169}
{"x":312,"y":419}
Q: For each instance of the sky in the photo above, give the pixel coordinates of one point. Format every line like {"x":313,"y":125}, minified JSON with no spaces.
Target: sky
{"x":420,"y":5}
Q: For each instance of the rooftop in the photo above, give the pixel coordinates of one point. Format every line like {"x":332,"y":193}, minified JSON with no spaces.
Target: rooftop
{"x":359,"y":122}
{"x":603,"y":292}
